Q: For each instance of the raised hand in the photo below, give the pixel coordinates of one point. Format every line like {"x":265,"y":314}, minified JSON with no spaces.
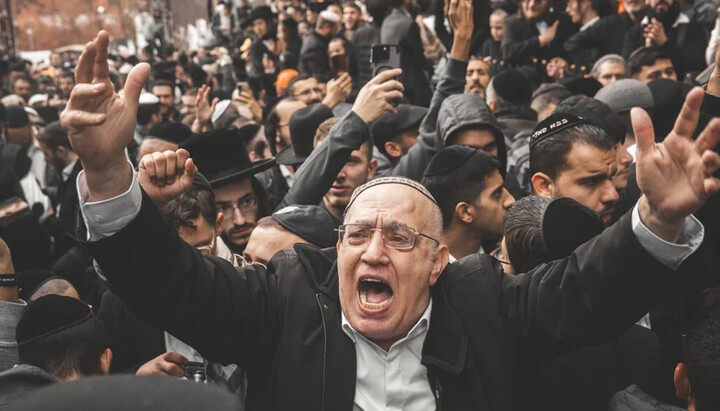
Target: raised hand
{"x":338,"y":90}
{"x":247,"y":99}
{"x":675,"y":176}
{"x":204,"y":108}
{"x":374,"y":99}
{"x":654,"y":34}
{"x":549,"y":35}
{"x":166,"y":175}
{"x":460,"y":16}
{"x":171,"y":363}
{"x":100,"y":123}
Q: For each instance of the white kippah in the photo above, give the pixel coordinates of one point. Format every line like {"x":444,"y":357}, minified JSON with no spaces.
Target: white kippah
{"x":149,"y":98}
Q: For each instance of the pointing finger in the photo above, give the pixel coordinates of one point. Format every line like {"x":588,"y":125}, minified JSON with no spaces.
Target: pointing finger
{"x":135,"y":83}
{"x":101,"y":71}
{"x":644,"y":133}
{"x":687,"y":120}
{"x":84,"y":69}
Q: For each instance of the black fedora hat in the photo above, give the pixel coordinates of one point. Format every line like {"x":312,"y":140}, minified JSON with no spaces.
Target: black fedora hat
{"x":221,"y":155}
{"x":303,"y":126}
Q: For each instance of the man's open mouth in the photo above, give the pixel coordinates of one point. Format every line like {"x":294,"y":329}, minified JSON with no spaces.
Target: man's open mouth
{"x":374,"y":294}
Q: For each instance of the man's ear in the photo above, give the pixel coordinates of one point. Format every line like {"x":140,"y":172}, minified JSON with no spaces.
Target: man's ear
{"x":682,"y":384}
{"x":543,"y":185}
{"x":372,"y":168}
{"x":393,"y":149}
{"x":61,"y":152}
{"x":106,"y":360}
{"x":492,"y":105}
{"x":441,"y":261}
{"x":464,"y":212}
{"x":218,"y":222}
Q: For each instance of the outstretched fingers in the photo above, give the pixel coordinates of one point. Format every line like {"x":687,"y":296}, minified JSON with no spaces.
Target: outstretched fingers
{"x":135,"y":83}
{"x":709,"y":137}
{"x":687,"y":121}
{"x":101,"y":70}
{"x":84,"y":69}
{"x":644,"y":132}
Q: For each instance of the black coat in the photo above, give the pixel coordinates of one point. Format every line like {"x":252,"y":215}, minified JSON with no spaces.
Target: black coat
{"x":686,"y":45}
{"x":314,"y":55}
{"x":283,"y":324}
{"x":520,"y":42}
{"x":607,"y":36}
{"x":398,"y":28}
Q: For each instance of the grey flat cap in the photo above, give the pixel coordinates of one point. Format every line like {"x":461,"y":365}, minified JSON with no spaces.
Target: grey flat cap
{"x":625,"y":94}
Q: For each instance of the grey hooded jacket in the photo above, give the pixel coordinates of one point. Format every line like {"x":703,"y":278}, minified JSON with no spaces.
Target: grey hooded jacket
{"x":10,"y":314}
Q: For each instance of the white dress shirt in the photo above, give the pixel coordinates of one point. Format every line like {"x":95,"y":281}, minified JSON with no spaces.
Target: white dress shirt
{"x":38,"y":166}
{"x":392,"y":380}
{"x":589,"y":23}
{"x":396,"y":379}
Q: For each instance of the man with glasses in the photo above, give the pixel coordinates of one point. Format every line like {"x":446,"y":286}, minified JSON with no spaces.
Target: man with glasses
{"x":381,"y":321}
{"x":222,"y":157}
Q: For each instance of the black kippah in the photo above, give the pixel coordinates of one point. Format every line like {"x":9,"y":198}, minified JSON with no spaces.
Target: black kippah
{"x":554,"y":124}
{"x":448,"y":160}
{"x":49,"y":315}
{"x":16,"y":117}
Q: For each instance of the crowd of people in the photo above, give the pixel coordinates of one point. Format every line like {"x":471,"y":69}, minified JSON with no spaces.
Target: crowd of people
{"x":523,"y":214}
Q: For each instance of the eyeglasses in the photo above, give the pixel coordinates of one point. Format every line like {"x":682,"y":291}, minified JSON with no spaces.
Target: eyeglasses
{"x":243,"y":262}
{"x":207,"y":249}
{"x":245,"y":205}
{"x":399,"y":237}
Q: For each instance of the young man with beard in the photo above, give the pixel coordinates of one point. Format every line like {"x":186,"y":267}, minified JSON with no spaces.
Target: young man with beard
{"x":320,"y":335}
{"x":668,"y":28}
{"x":469,"y":189}
{"x":164,"y":90}
{"x":222,"y":157}
{"x":577,"y":160}
{"x":607,"y":36}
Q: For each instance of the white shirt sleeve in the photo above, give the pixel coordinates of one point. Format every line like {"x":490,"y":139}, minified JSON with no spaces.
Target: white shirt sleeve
{"x":710,"y":51}
{"x":107,"y":217}
{"x":669,"y":254}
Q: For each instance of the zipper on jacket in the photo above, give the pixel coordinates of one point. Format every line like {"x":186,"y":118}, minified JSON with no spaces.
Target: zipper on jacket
{"x":436,"y":389}
{"x":322,"y":315}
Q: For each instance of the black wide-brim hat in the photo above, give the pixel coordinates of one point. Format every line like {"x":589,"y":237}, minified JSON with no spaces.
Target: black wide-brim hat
{"x":303,"y":126}
{"x":222,"y":157}
{"x":288,"y":157}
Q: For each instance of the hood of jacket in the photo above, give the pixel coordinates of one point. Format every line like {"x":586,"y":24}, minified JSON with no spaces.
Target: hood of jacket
{"x":461,"y":111}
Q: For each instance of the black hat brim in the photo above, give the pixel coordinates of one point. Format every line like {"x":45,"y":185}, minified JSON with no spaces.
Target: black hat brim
{"x":231,"y":176}
{"x":288,"y":157}
{"x":562,"y":213}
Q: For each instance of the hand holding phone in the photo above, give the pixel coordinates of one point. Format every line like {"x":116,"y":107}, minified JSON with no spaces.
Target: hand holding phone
{"x":384,"y":57}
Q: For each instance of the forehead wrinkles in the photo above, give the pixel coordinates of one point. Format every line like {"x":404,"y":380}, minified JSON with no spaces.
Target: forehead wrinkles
{"x":395,"y":202}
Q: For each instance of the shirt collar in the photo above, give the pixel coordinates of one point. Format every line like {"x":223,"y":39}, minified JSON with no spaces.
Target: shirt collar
{"x":590,"y":23}
{"x":420,"y":328}
{"x":682,"y":19}
{"x":68,"y":170}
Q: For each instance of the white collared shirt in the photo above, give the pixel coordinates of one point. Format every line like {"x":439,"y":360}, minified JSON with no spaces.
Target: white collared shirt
{"x":287,"y":175}
{"x":37,"y":165}
{"x":392,"y":380}
{"x":68,"y":170}
{"x":590,"y":23}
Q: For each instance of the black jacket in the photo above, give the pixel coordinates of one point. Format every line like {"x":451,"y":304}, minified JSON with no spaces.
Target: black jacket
{"x":399,"y":28}
{"x":314,"y":55}
{"x":283,"y":323}
{"x":686,"y":45}
{"x":607,"y":36}
{"x":365,"y":37}
{"x":520,"y":42}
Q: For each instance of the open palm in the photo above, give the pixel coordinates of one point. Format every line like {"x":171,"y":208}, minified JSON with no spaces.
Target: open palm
{"x":100,"y":122}
{"x":676,"y":175}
